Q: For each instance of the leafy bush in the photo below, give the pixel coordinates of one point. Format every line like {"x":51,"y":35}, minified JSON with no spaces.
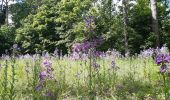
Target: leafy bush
{"x":7,"y":35}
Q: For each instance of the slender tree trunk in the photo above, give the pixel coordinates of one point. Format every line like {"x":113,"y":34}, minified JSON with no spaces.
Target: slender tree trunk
{"x":155,"y":26}
{"x":6,"y":8}
{"x":2,"y":5}
{"x":125,"y":20}
{"x":110,"y":7}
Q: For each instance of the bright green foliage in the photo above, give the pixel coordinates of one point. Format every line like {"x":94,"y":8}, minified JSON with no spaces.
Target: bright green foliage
{"x":140,"y":21}
{"x":38,"y":30}
{"x":69,"y":22}
{"x":19,"y":12}
{"x":43,"y":25}
{"x":109,"y":24}
{"x":6,"y":38}
{"x":52,"y":26}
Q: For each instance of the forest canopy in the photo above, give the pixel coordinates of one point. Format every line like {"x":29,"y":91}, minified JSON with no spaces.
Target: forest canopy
{"x":44,"y":25}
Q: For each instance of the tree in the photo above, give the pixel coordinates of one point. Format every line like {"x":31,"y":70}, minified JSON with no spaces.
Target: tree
{"x":51,"y":26}
{"x":44,"y":25}
{"x":7,"y":37}
{"x":37,"y":32}
{"x":155,"y":25}
{"x":5,"y":6}
{"x":2,"y":17}
{"x":19,"y":11}
{"x":125,"y":21}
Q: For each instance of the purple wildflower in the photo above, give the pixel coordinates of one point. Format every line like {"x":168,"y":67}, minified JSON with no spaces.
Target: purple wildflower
{"x":98,"y":54}
{"x":162,"y":58}
{"x":75,"y":56}
{"x":47,"y":63}
{"x":159,"y":59}
{"x":38,"y":87}
{"x":167,"y":58}
{"x":163,"y":69}
{"x":95,"y":65}
{"x":82,"y":47}
{"x":76,"y":47}
{"x":48,"y":94}
{"x":42,"y":75}
{"x":45,"y":74}
{"x":50,"y":76}
{"x":147,"y":53}
{"x":49,"y":70}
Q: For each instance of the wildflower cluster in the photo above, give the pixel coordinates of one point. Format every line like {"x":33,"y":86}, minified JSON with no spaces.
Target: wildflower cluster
{"x":147,"y":53}
{"x":98,"y":54}
{"x":163,"y":60}
{"x":45,"y":74}
{"x":113,"y":53}
{"x":81,"y":49}
{"x":151,"y":52}
{"x":91,"y":41}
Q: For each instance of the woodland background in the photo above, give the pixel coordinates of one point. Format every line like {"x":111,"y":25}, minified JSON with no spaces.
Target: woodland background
{"x":44,"y":25}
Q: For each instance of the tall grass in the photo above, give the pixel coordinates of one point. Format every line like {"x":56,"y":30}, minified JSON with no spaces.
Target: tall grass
{"x":132,"y":78}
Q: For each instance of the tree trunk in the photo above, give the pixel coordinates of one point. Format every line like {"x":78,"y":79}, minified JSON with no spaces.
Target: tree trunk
{"x":6,"y":8}
{"x":155,"y":26}
{"x":2,"y":5}
{"x":125,"y":20}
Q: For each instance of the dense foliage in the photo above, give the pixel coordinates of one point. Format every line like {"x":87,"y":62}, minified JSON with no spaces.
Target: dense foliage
{"x":7,"y":35}
{"x":43,"y":25}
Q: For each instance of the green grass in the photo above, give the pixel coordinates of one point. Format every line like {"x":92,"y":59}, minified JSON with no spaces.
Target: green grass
{"x":135,"y":79}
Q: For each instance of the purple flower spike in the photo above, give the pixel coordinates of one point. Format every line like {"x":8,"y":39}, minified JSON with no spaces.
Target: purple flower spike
{"x":48,"y":94}
{"x":159,"y":59}
{"x":47,"y":63}
{"x":167,"y":58}
{"x":163,"y":69}
{"x":42,"y":75}
{"x":95,"y":65}
{"x":163,"y":58}
{"x":38,"y":87}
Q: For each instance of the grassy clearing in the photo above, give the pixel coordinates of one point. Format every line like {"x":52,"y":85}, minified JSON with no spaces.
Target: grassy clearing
{"x":134,"y":78}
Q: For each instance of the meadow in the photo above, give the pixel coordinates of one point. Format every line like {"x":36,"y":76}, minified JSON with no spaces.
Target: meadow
{"x":108,"y":77}
{"x":84,"y":50}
